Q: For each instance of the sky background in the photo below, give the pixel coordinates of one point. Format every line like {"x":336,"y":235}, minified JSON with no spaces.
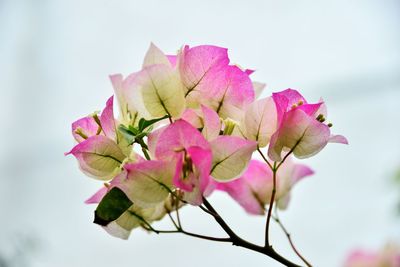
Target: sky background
{"x":55,"y":58}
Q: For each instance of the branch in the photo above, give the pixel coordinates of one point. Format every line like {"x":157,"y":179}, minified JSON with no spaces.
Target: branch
{"x":264,"y":158}
{"x":238,"y":241}
{"x":271,"y":204}
{"x":276,"y":219}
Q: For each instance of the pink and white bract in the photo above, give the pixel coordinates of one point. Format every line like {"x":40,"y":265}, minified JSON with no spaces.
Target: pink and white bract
{"x":189,"y":124}
{"x":388,"y":256}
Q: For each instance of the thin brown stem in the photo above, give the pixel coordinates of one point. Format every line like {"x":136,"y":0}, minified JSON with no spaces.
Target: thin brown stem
{"x":172,"y":220}
{"x":218,"y":239}
{"x":279,"y":222}
{"x":238,"y":241}
{"x":272,"y":200}
{"x":271,"y":204}
{"x":288,"y":154}
{"x":177,"y":212}
{"x":179,"y":229}
{"x":264,"y":158}
{"x":207,"y":211}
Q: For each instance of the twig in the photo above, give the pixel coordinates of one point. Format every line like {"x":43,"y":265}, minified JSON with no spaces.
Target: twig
{"x":271,"y":204}
{"x":277,"y":219}
{"x":238,"y":241}
{"x":264,"y":158}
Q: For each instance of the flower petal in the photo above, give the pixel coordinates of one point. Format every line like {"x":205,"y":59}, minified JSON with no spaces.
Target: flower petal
{"x":172,"y":60}
{"x":225,"y":90}
{"x":260,"y":121}
{"x":96,"y":198}
{"x":107,"y":120}
{"x":99,"y":157}
{"x":212,"y":123}
{"x":147,"y":182}
{"x":301,"y":133}
{"x":338,"y":139}
{"x":253,"y":189}
{"x":155,"y":56}
{"x":178,"y":136}
{"x":197,"y":62}
{"x":157,"y":92}
{"x":84,"y":128}
{"x":231,"y":156}
{"x":124,"y":94}
{"x":258,"y":88}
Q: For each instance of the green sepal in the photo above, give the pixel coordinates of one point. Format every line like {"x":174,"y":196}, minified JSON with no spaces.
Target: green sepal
{"x":143,"y":123}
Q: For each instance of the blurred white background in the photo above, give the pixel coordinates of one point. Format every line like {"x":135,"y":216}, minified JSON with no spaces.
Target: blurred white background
{"x":55,"y":58}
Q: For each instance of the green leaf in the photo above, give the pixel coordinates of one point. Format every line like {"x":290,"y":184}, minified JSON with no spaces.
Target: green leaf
{"x":134,"y":130}
{"x":111,"y":207}
{"x":143,"y":123}
{"x":127,"y":134}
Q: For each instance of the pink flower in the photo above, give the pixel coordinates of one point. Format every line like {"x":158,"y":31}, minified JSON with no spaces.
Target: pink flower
{"x":197,"y":63}
{"x":99,"y":153}
{"x":93,"y":125}
{"x":301,"y":127}
{"x":254,"y":188}
{"x":205,"y":119}
{"x":260,"y":121}
{"x":184,"y":146}
{"x":389,"y":256}
{"x":210,"y":80}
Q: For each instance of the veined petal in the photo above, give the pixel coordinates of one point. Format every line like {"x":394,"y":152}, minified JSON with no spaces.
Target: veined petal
{"x":193,"y":117}
{"x":176,"y":137}
{"x":205,"y":119}
{"x":231,"y":155}
{"x":99,"y":157}
{"x":240,"y":191}
{"x":157,"y":92}
{"x":253,"y":189}
{"x":147,"y":182}
{"x":300,"y":171}
{"x":152,"y":139}
{"x":301,"y":133}
{"x":212,"y":123}
{"x":133,"y":218}
{"x":226,"y":88}
{"x":197,"y":62}
{"x":260,"y":121}
{"x":84,"y":128}
{"x":107,"y":120}
{"x":155,"y":56}
{"x":288,"y":175}
{"x":125,"y":94}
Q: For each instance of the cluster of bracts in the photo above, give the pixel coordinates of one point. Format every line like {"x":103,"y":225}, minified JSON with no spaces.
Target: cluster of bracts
{"x":188,"y":125}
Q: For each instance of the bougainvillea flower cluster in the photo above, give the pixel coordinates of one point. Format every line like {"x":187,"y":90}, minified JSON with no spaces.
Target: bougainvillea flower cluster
{"x":388,"y":256}
{"x":187,"y":125}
